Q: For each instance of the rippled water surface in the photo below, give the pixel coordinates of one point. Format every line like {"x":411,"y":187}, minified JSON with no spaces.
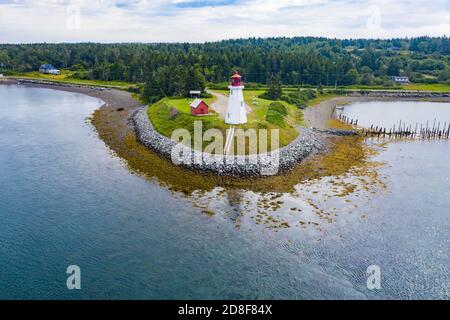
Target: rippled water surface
{"x":65,"y":200}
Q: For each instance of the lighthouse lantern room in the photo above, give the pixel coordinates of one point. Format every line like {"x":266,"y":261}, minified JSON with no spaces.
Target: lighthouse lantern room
{"x":236,"y":113}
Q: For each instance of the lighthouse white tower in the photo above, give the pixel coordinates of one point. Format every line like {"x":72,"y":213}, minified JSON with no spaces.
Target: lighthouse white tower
{"x":236,"y":113}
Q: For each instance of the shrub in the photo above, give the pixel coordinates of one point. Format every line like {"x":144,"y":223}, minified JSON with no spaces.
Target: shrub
{"x":320,"y":89}
{"x":274,"y":91}
{"x":7,"y":72}
{"x":265,"y":96}
{"x":311,"y":94}
{"x":276,"y":113}
{"x":206,"y":95}
{"x":253,"y":85}
{"x":218,"y":86}
{"x":134,"y":89}
{"x":77,"y":67}
{"x":279,"y":107}
{"x":299,"y":98}
{"x":81,"y":75}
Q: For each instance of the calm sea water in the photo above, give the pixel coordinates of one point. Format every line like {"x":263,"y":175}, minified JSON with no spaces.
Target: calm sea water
{"x":388,"y":114}
{"x":65,"y":200}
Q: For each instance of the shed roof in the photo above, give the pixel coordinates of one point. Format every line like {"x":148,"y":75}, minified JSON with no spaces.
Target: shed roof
{"x":196,"y":103}
{"x":47,"y":66}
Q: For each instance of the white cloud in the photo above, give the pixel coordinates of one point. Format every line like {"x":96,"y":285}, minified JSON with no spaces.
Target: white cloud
{"x":208,"y":20}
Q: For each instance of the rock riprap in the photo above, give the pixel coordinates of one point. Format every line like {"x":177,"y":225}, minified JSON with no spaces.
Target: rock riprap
{"x":308,"y":142}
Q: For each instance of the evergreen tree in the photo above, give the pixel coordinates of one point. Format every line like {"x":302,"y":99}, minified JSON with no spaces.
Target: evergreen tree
{"x":274,"y":91}
{"x":299,"y":60}
{"x":194,"y":80}
{"x":151,"y":92}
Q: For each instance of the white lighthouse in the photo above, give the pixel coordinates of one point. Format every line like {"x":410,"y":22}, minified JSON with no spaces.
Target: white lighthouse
{"x":236,"y":113}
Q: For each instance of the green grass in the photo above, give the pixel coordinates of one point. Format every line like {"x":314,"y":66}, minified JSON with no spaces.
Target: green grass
{"x":257,"y":119}
{"x":365,"y":87}
{"x":183,"y":104}
{"x":260,"y":107}
{"x":65,"y":77}
{"x":437,"y":87}
{"x":170,"y":114}
{"x":162,"y":118}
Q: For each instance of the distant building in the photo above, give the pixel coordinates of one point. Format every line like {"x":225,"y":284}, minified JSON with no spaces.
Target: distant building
{"x":394,"y":49}
{"x":199,"y":108}
{"x":400,"y":80}
{"x":195,"y":93}
{"x":49,"y":69}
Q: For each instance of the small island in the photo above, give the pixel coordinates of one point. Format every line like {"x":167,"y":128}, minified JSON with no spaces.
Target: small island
{"x":302,"y":111}
{"x":251,"y":127}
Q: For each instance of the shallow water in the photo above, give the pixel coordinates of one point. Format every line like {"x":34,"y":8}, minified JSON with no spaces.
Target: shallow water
{"x":65,"y":200}
{"x":388,"y":114}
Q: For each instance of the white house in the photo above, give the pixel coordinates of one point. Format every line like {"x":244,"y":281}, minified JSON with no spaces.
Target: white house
{"x":400,"y":80}
{"x":49,"y":69}
{"x":195,"y":93}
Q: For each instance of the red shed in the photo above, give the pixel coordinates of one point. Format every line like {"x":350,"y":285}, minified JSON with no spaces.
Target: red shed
{"x":199,"y":108}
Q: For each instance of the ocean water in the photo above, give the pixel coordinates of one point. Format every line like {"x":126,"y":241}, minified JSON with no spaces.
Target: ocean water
{"x":388,"y":114}
{"x":65,"y":200}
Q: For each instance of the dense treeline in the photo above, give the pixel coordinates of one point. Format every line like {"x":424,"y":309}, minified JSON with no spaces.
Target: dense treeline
{"x":301,"y":60}
{"x":173,"y":81}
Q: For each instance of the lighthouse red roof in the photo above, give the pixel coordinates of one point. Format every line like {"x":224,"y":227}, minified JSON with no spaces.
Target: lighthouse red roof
{"x":236,"y":80}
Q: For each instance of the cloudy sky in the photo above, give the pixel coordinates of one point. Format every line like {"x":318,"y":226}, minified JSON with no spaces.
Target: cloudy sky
{"x":209,"y":20}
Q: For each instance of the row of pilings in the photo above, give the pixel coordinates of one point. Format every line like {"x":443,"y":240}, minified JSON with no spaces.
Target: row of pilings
{"x":423,"y":131}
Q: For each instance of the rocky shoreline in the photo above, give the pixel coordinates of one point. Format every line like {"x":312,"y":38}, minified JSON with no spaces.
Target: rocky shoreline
{"x":308,"y":143}
{"x":123,"y":116}
{"x":49,"y":83}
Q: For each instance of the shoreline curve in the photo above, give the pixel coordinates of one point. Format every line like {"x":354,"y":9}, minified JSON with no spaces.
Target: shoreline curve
{"x":309,"y":142}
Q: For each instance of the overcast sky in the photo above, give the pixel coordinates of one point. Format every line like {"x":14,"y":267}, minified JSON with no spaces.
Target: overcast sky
{"x":209,"y":20}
